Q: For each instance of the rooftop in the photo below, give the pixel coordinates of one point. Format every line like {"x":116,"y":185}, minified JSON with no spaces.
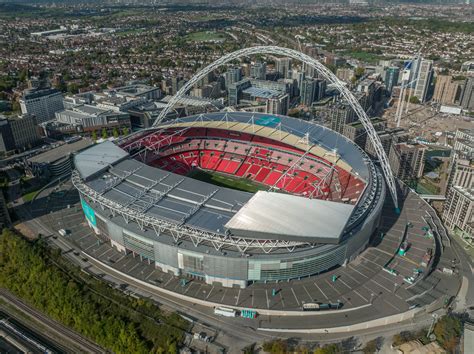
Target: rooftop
{"x":60,"y":152}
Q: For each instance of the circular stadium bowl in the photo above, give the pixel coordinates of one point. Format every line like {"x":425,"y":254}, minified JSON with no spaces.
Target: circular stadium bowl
{"x":233,"y":198}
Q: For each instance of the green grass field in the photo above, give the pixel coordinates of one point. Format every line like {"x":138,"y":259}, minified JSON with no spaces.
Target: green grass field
{"x":240,"y":184}
{"x":205,"y":36}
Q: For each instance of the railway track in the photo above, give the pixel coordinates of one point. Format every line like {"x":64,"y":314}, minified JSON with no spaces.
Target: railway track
{"x":80,"y":341}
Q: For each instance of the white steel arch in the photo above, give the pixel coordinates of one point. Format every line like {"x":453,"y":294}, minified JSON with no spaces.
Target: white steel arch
{"x":321,"y":70}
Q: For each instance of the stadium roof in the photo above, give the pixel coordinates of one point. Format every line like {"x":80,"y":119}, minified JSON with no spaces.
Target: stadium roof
{"x":281,"y":216}
{"x":98,"y":158}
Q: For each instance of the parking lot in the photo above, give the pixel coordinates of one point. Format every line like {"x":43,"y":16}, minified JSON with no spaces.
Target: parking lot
{"x":363,"y":288}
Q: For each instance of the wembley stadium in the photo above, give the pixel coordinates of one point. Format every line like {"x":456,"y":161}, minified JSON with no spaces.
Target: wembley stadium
{"x":232,"y":197}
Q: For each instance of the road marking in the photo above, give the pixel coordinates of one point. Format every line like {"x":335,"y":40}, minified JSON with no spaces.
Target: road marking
{"x":353,"y":268}
{"x":295,"y":296}
{"x":356,"y":292}
{"x":380,"y":285}
{"x":322,"y":292}
{"x":223,"y":295}
{"x":134,"y":267}
{"x":347,"y":299}
{"x":149,"y":275}
{"x":198,"y":290}
{"x":390,"y":304}
{"x":209,"y":293}
{"x":343,"y":282}
{"x":169,"y":281}
{"x":307,"y":292}
{"x":127,"y":262}
{"x":281,"y":299}
{"x":352,"y":278}
{"x":238,"y":297}
{"x":122,"y":257}
{"x":268,"y":301}
{"x":332,"y":286}
{"x":105,"y":252}
{"x":252,"y":297}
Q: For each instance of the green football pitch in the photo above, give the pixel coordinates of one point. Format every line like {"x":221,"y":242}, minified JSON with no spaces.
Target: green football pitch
{"x":220,"y":180}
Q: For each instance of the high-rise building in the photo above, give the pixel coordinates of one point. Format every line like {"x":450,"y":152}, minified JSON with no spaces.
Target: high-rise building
{"x":446,"y":90}
{"x":356,"y":132}
{"x":282,"y":66}
{"x":467,"y":98}
{"x":423,"y":80}
{"x":258,"y":71}
{"x":232,"y":76}
{"x":176,"y":83}
{"x":458,"y":211}
{"x":278,"y":105}
{"x":391,"y":78}
{"x":341,"y":114}
{"x":309,"y":91}
{"x":388,"y":138}
{"x":43,"y":104}
{"x":18,"y":133}
{"x":407,"y":160}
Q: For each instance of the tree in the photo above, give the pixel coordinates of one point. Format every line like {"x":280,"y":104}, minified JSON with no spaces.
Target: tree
{"x":125,"y":131}
{"x":115,"y":133}
{"x":447,"y":331}
{"x":104,"y":133}
{"x":328,"y":349}
{"x":94,"y":135}
{"x":373,"y":346}
{"x":359,"y":71}
{"x":23,"y":75}
{"x":414,"y":100}
{"x":72,"y":88}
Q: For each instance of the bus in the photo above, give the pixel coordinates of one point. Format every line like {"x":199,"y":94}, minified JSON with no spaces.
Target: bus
{"x":225,"y":311}
{"x":314,"y":306}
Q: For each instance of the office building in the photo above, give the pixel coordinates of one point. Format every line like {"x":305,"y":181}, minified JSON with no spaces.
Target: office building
{"x":138,"y":90}
{"x":283,"y":66}
{"x":176,"y":83}
{"x":232,"y":75}
{"x":391,"y":78}
{"x":89,"y":118}
{"x":423,"y":81}
{"x":407,"y":160}
{"x":388,"y":137}
{"x":43,"y":104}
{"x":309,"y":92}
{"x":446,"y":90}
{"x":258,"y":71}
{"x":356,"y":132}
{"x":278,"y":105}
{"x":18,"y":133}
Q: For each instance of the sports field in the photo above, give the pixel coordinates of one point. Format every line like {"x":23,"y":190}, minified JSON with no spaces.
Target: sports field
{"x":217,"y":179}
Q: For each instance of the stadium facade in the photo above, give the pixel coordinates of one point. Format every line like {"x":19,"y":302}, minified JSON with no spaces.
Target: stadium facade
{"x":319,"y":197}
